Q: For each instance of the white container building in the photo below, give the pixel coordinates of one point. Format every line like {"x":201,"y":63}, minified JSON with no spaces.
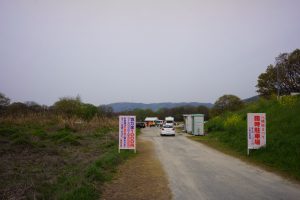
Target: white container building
{"x":187,"y":123}
{"x":194,"y":124}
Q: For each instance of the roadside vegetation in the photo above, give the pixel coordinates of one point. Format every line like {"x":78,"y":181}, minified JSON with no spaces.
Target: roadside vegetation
{"x":57,"y":153}
{"x":228,"y":133}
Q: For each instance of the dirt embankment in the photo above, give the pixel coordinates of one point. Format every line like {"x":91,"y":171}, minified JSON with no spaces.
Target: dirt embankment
{"x":139,"y":178}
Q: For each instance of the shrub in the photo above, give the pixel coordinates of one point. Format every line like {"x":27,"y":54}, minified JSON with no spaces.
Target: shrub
{"x":288,"y":101}
{"x":232,"y":122}
{"x":215,"y":124}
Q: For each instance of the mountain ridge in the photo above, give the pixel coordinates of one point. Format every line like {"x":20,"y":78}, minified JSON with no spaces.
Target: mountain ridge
{"x":128,"y":106}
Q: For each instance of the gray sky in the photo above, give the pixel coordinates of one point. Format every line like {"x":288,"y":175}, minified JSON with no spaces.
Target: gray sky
{"x":141,"y":50}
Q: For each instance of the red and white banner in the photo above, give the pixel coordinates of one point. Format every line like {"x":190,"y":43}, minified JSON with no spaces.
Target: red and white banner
{"x":127,"y":132}
{"x":256,"y":130}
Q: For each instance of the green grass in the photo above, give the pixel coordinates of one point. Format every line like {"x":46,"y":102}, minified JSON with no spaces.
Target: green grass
{"x":79,"y":182}
{"x":7,"y":130}
{"x":65,"y":136}
{"x":39,"y":133}
{"x":228,"y":133}
{"x":69,"y":185}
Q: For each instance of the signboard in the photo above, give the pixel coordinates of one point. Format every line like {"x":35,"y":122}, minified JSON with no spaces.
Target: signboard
{"x":256,"y":130}
{"x":127,"y":132}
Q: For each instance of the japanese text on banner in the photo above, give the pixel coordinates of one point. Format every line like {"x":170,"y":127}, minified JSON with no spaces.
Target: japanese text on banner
{"x":256,"y":130}
{"x":127,"y":131}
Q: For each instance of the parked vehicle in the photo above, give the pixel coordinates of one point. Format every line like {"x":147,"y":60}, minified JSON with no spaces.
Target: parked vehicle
{"x":167,"y":130}
{"x":140,"y":124}
{"x":159,"y":123}
{"x":169,"y":121}
{"x":150,"y":121}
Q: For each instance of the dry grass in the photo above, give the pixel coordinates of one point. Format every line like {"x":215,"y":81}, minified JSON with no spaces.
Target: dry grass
{"x":60,"y":121}
{"x":47,"y":157}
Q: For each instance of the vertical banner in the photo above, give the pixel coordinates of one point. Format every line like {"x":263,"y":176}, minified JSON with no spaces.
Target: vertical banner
{"x":256,"y":130}
{"x":127,"y":132}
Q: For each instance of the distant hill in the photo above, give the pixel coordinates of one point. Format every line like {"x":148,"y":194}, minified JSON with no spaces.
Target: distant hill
{"x":251,"y":99}
{"x":126,"y":106}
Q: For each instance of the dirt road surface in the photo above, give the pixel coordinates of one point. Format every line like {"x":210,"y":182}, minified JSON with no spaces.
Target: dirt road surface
{"x":196,"y":171}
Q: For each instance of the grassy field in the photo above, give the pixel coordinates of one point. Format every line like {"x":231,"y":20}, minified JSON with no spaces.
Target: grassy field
{"x":51,"y":158}
{"x":228,"y":133}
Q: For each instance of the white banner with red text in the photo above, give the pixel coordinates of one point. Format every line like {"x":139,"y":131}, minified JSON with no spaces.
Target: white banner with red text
{"x":256,"y":130}
{"x":127,"y":132}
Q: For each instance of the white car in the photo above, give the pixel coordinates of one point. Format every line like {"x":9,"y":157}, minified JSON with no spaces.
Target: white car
{"x":167,"y":130}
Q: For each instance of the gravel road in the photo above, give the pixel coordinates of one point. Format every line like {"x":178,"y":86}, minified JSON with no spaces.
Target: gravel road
{"x":196,"y":171}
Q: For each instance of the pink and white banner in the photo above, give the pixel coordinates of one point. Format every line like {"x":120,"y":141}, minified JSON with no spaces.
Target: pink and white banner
{"x":127,"y":132}
{"x":256,"y":130}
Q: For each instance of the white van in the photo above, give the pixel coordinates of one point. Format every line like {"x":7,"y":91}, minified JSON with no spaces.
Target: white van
{"x":169,"y":121}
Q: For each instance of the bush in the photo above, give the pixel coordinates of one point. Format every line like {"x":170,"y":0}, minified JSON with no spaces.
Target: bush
{"x":215,"y":124}
{"x":233,"y":122}
{"x":288,"y":101}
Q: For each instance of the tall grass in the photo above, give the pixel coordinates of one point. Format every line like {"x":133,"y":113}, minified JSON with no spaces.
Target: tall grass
{"x":53,"y":157}
{"x":59,"y":122}
{"x":283,"y":133}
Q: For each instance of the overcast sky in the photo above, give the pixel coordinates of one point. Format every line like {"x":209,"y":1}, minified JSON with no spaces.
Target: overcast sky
{"x":141,"y":50}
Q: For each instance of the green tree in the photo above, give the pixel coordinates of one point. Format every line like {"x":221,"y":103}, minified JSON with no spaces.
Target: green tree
{"x":34,"y":107}
{"x":17,"y":108}
{"x":203,"y":110}
{"x":266,"y":83}
{"x":68,"y":106}
{"x":88,"y":111}
{"x":284,"y":76}
{"x":225,"y":103}
{"x":105,"y":111}
{"x":140,"y":114}
{"x":4,"y":101}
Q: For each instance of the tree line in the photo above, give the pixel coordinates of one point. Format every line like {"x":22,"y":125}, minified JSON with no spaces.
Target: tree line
{"x":66,"y":106}
{"x":73,"y":106}
{"x":176,"y":112}
{"x":69,"y":107}
{"x":283,"y":77}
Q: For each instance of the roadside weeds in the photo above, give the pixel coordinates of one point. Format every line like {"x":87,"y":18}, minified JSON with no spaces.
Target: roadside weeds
{"x":141,"y":177}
